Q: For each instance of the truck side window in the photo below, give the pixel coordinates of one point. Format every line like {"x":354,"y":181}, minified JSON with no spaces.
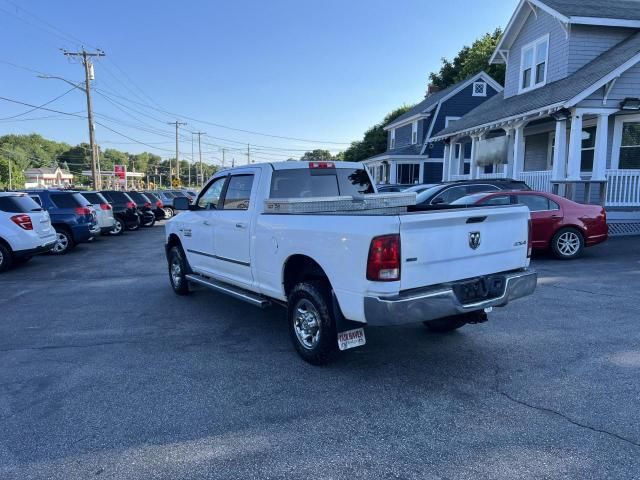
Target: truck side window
{"x":238,"y":192}
{"x":210,"y":197}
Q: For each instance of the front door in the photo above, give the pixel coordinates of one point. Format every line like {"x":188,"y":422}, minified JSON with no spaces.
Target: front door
{"x":234,"y":227}
{"x":199,"y":228}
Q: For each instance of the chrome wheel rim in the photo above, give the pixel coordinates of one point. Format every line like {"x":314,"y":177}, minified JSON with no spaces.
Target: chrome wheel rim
{"x":175,"y":270}
{"x":62,"y":243}
{"x":117,"y":228}
{"x":307,"y":324}
{"x":167,"y":213}
{"x":568,"y":244}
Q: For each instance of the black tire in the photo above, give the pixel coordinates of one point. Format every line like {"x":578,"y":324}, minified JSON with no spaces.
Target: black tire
{"x":21,"y":260}
{"x":65,"y":242}
{"x":313,"y":299}
{"x":567,"y":243}
{"x":446,"y":324}
{"x":6,"y":258}
{"x":150,"y":223}
{"x":177,"y":278}
{"x":118,"y":228}
{"x":134,"y":227}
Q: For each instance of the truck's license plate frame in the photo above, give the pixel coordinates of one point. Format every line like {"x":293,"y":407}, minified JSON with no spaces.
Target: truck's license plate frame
{"x":351,"y":339}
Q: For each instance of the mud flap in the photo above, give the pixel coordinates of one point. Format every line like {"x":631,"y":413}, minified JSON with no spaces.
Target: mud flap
{"x":349,"y":334}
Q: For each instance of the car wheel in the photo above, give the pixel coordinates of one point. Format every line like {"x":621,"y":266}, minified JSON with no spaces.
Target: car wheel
{"x":168,"y":213}
{"x":134,"y":227}
{"x":118,"y":228}
{"x":446,"y":324}
{"x":567,"y":244}
{"x":64,"y":242}
{"x":6,"y":258}
{"x":177,"y":271}
{"x":312,"y":326}
{"x":150,"y":223}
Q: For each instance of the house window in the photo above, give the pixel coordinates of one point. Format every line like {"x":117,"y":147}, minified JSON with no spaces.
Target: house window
{"x":588,"y":149}
{"x":408,"y":173}
{"x":449,"y":120}
{"x":479,"y":89}
{"x":533,"y":64}
{"x":392,"y":142}
{"x":630,"y":146}
{"x":414,"y":133}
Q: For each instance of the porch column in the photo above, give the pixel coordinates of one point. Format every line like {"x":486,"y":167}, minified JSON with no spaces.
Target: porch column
{"x":575,"y":147}
{"x":393,"y":172}
{"x":454,"y":166}
{"x":518,"y":150}
{"x":599,"y":171}
{"x":445,"y":163}
{"x":421,"y":172}
{"x":560,"y":151}
{"x":474,"y":169}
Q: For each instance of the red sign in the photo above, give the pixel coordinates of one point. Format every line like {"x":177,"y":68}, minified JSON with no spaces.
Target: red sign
{"x":119,"y":171}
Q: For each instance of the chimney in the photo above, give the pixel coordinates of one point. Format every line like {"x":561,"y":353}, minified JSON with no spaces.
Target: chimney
{"x":431,"y":89}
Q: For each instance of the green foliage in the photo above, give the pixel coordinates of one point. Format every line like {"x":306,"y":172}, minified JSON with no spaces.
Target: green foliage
{"x":17,"y":177}
{"x":318,"y":155}
{"x":374,"y":140}
{"x":470,"y":61}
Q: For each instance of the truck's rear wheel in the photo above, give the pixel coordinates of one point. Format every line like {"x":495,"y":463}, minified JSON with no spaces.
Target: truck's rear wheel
{"x":178,"y":271}
{"x":312,"y":326}
{"x":446,"y":324}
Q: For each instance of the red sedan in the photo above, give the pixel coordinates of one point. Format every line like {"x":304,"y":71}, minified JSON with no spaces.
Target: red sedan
{"x":558,"y":224}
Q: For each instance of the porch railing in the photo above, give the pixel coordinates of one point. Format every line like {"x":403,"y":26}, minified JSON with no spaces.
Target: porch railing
{"x":539,"y":180}
{"x":623,"y":188}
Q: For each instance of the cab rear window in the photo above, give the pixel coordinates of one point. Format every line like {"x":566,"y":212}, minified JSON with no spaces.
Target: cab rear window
{"x":307,"y":183}
{"x":18,"y":204}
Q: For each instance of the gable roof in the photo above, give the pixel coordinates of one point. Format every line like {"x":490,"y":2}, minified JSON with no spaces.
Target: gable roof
{"x":621,"y":13}
{"x":553,"y":96}
{"x":427,"y":105}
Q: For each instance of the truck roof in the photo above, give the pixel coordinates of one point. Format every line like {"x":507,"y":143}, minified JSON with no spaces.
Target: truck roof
{"x":298,"y":164}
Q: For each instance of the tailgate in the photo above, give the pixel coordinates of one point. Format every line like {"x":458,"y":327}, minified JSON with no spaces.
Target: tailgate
{"x":449,"y":245}
{"x":41,"y":223}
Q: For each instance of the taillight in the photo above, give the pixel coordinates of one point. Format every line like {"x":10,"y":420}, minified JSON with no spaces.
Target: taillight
{"x":529,"y":239}
{"x":23,"y":221}
{"x":159,"y":204}
{"x":83,"y":211}
{"x":322,"y":165}
{"x":131,"y":205}
{"x":105,"y":206}
{"x":147,"y":204}
{"x":383,"y":264}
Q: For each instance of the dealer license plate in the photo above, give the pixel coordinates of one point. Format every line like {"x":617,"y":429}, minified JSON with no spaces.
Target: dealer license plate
{"x":351,"y":339}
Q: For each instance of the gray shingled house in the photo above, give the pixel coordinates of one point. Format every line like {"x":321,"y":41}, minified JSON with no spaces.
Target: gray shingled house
{"x":410,"y":158}
{"x":568,"y":119}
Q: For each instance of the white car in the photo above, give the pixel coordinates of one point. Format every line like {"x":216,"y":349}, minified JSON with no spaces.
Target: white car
{"x":25,"y":229}
{"x":315,"y":237}
{"x":104,"y":211}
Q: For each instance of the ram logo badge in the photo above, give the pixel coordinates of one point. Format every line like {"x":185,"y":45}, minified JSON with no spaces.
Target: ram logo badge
{"x":474,"y":240}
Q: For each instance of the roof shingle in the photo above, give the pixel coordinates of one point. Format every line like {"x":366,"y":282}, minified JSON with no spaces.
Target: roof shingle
{"x":618,"y":9}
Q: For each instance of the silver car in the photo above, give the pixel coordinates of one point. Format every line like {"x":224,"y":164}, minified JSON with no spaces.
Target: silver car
{"x":104,"y":211}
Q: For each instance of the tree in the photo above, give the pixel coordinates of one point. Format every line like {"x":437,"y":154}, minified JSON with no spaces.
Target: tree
{"x":17,"y":175}
{"x":470,"y":61}
{"x":317,"y":155}
{"x":374,"y":140}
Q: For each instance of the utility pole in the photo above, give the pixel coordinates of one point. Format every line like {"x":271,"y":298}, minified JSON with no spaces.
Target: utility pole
{"x":191,"y":162}
{"x":248,"y":154}
{"x":177,"y":124}
{"x":200,"y":157}
{"x":223,"y":152}
{"x":10,"y":182}
{"x":88,"y":75}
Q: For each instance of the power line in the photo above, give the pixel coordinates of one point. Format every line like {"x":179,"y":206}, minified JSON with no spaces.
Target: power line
{"x":40,"y":106}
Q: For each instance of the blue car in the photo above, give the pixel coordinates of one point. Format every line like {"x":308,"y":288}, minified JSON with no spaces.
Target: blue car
{"x":72,"y":217}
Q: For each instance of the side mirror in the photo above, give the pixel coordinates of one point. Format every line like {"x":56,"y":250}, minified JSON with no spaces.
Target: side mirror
{"x":181,"y":203}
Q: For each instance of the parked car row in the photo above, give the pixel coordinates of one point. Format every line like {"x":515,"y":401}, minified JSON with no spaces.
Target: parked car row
{"x":560,"y":225}
{"x":55,"y":221}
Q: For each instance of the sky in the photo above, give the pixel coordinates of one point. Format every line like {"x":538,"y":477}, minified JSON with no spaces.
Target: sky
{"x":319,"y":72}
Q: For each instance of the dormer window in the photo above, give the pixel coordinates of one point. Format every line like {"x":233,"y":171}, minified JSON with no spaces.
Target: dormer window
{"x":414,"y":132}
{"x":533,"y":64}
{"x":392,"y":142}
{"x":479,"y":89}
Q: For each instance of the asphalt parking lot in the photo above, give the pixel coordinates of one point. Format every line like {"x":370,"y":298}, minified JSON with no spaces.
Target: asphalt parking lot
{"x":107,"y":374}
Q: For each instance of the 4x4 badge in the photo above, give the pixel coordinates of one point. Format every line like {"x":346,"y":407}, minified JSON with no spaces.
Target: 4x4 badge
{"x":474,"y":240}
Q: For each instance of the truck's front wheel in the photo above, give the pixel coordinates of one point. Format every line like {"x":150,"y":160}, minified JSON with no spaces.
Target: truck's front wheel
{"x":311,"y":323}
{"x":178,"y":271}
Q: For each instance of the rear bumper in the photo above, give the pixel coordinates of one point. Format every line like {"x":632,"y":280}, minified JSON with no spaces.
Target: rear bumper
{"x":596,"y":239}
{"x":44,"y":248}
{"x":441,"y":301}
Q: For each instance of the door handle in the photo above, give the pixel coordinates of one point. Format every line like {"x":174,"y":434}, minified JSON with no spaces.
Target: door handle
{"x":241,"y":225}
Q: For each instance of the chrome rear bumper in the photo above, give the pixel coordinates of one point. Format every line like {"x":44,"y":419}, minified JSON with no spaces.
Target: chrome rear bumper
{"x":442,"y":301}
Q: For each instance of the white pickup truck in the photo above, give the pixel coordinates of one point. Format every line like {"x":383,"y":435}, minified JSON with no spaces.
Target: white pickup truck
{"x":316,"y":238}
